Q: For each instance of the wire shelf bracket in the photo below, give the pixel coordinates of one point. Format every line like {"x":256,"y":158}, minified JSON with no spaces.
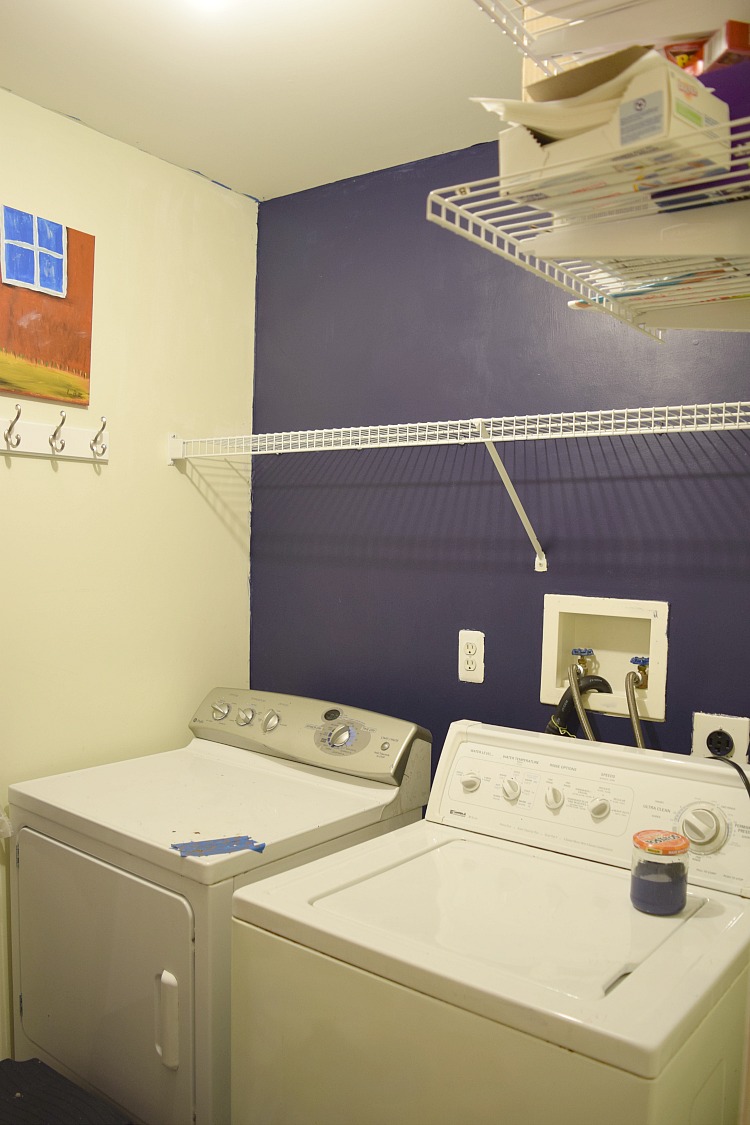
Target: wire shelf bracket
{"x":540,"y":562}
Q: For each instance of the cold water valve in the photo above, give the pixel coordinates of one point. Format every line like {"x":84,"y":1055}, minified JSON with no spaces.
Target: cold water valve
{"x":636,"y":679}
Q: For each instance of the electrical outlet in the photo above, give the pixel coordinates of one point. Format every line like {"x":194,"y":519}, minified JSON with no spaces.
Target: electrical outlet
{"x":471,"y":656}
{"x":726,"y":735}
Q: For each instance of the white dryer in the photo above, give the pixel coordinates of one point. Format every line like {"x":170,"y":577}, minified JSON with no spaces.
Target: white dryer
{"x":124,"y":874}
{"x":486,"y":965}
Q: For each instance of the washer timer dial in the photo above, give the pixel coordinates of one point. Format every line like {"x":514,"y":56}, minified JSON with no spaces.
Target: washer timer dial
{"x":705,"y":827}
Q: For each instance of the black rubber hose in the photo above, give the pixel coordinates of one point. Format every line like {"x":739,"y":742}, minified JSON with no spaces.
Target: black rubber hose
{"x":565,"y":714}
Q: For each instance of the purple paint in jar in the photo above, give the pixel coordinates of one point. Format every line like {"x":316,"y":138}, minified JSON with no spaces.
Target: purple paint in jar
{"x":658,"y":880}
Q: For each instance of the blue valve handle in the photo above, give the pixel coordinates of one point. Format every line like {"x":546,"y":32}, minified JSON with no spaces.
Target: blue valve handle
{"x":642,"y":660}
{"x":582,"y":652}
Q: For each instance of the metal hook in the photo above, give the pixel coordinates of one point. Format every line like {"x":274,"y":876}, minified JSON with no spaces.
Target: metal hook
{"x":13,"y":440}
{"x":57,"y":444}
{"x":98,"y":447}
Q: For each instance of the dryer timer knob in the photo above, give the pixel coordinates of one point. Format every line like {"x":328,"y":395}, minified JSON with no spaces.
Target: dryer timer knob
{"x":340,"y":736}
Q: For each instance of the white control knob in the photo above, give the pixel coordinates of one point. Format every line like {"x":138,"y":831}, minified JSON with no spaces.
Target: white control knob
{"x":270,"y":721}
{"x":471,"y":782}
{"x":340,"y":735}
{"x":511,"y":789}
{"x":554,"y":798}
{"x":599,"y":808}
{"x":245,"y":715}
{"x":705,"y":827}
{"x":220,"y":709}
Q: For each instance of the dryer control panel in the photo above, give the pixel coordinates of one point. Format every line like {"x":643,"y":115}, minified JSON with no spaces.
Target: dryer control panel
{"x":311,"y":731}
{"x":589,"y":799}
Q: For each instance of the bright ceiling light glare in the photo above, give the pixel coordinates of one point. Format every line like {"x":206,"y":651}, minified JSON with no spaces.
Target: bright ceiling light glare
{"x":208,"y":5}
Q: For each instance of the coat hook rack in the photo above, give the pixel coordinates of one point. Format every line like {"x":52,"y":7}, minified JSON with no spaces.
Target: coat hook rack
{"x":33,"y":439}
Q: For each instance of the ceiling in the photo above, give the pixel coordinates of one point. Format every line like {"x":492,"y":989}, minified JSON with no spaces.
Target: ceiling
{"x":265,"y":96}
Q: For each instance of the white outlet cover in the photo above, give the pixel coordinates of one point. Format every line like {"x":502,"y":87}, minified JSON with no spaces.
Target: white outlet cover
{"x":617,"y":629}
{"x":471,"y":656}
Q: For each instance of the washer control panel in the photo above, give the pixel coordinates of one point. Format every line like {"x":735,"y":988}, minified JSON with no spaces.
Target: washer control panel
{"x":588,"y":799}
{"x":311,"y":731}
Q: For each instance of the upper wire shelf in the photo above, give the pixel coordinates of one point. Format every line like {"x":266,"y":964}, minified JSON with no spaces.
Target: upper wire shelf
{"x":599,"y":244}
{"x":522,"y":29}
{"x":529,"y":427}
{"x":558,"y":34}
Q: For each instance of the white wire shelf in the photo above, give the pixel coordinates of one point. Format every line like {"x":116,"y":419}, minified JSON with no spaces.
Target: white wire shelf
{"x":661,"y":201}
{"x":526,"y":427}
{"x":557,"y":34}
{"x":522,"y":29}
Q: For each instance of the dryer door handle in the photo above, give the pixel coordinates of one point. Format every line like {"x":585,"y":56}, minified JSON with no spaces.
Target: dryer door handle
{"x":167,"y":1034}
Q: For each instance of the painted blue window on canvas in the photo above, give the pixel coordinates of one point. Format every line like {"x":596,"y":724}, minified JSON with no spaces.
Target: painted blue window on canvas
{"x":33,"y":252}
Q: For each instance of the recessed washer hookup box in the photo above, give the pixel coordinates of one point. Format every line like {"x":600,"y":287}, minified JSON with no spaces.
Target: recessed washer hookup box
{"x":667,"y":129}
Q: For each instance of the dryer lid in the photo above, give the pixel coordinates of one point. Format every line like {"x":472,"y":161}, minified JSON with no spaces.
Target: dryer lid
{"x":204,"y":792}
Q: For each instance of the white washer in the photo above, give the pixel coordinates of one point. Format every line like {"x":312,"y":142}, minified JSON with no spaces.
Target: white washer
{"x":121,"y":944}
{"x":486,"y":965}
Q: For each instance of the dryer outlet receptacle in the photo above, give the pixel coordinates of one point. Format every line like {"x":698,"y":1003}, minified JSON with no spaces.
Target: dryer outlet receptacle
{"x":725,"y":735}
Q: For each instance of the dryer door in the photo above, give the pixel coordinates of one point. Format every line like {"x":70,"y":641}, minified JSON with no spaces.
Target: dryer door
{"x":106,"y":977}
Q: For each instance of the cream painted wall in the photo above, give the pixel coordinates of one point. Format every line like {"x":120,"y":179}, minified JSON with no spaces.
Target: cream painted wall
{"x":125,"y":586}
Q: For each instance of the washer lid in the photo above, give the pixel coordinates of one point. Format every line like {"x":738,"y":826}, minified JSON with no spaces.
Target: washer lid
{"x":204,"y":792}
{"x":574,"y":931}
{"x":542,"y":942}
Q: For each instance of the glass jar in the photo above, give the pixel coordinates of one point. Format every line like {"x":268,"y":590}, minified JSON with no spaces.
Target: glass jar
{"x":658,"y":880}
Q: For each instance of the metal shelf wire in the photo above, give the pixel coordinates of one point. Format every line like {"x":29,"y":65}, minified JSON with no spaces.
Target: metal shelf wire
{"x":661,"y":201}
{"x":567,"y":32}
{"x":527,"y":427}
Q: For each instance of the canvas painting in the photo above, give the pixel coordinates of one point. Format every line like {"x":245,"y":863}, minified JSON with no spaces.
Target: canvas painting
{"x":46,"y":305}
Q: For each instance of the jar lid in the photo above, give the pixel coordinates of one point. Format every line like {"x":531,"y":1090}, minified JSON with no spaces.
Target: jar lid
{"x":659,"y":842}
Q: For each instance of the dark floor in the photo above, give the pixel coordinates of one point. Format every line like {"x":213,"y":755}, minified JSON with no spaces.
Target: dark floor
{"x":33,"y":1094}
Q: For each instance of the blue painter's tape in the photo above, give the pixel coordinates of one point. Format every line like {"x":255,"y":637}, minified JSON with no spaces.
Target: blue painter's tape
{"x":218,"y":847}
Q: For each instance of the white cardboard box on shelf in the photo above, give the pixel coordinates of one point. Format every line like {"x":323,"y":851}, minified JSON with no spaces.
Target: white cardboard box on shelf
{"x":660,"y":135}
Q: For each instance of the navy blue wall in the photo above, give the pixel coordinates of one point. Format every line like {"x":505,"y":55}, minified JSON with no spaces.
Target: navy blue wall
{"x":366,"y":564}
